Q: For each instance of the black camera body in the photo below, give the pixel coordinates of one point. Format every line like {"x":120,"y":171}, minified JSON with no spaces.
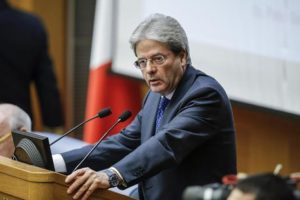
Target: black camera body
{"x":213,"y":191}
{"x":217,"y":191}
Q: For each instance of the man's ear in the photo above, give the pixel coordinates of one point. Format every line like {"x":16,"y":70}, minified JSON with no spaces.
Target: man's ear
{"x":183,"y":58}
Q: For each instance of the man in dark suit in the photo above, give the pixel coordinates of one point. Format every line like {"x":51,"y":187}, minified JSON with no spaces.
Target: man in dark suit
{"x":24,"y":60}
{"x":183,"y":135}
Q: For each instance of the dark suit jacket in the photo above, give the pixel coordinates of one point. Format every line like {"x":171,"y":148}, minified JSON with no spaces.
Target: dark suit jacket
{"x":24,"y":60}
{"x":195,"y":144}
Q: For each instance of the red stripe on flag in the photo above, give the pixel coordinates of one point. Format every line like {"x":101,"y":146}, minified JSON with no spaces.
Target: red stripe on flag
{"x":109,"y":90}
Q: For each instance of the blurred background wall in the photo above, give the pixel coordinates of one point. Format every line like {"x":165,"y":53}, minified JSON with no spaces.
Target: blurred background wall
{"x":265,"y":137}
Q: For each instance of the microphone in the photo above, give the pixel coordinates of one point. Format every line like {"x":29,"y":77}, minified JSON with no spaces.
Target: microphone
{"x":103,"y":113}
{"x":123,"y":117}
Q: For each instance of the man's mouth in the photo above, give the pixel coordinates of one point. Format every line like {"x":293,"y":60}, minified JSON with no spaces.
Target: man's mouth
{"x":154,"y":81}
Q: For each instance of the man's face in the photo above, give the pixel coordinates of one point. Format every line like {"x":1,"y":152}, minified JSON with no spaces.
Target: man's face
{"x":161,"y":78}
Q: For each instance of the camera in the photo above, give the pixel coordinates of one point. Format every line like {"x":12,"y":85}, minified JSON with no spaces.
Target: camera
{"x":213,"y":191}
{"x":217,"y":191}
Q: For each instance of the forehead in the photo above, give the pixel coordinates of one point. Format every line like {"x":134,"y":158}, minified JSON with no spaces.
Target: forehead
{"x":151,"y":47}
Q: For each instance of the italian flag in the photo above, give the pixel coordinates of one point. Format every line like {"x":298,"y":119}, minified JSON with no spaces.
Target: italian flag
{"x":106,"y":89}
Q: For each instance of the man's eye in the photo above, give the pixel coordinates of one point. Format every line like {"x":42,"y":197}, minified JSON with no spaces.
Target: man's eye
{"x":158,"y":59}
{"x":142,"y":62}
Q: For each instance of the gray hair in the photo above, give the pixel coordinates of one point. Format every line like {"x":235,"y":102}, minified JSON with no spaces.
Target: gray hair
{"x":163,"y":29}
{"x":18,"y":118}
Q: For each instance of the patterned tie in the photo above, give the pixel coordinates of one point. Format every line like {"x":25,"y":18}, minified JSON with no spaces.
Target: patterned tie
{"x":161,"y":108}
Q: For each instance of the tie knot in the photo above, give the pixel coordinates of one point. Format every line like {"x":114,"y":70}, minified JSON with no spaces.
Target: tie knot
{"x":163,"y":103}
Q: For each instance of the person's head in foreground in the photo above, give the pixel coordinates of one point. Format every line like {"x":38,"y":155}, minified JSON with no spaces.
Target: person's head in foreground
{"x":262,"y":187}
{"x":11,"y":118}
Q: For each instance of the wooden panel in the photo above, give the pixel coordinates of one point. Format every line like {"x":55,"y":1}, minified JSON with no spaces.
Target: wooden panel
{"x":33,"y":183}
{"x":17,"y":190}
{"x":52,"y":13}
{"x":26,"y":5}
{"x":5,"y":196}
{"x":265,"y":139}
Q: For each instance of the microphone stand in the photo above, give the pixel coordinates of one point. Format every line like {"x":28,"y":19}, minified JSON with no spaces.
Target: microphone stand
{"x":103,"y":113}
{"x":100,"y":140}
{"x":72,"y":129}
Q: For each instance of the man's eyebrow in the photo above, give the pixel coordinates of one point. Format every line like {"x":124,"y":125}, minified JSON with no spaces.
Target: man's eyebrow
{"x":156,"y":54}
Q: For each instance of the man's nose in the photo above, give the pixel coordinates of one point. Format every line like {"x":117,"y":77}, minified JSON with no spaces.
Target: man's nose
{"x":150,"y":67}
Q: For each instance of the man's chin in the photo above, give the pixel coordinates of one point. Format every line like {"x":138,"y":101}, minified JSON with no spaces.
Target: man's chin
{"x":155,"y":89}
{"x":159,"y":91}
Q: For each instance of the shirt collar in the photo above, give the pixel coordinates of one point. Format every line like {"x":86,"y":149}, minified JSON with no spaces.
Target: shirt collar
{"x":170,"y":95}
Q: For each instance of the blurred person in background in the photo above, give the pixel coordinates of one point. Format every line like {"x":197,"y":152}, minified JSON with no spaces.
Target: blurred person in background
{"x":24,"y":60}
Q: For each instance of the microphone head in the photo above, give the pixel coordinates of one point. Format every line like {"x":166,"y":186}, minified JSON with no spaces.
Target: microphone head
{"x":125,"y":115}
{"x":104,"y":112}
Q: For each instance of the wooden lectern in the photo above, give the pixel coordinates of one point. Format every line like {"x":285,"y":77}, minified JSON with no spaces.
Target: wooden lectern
{"x":22,"y":181}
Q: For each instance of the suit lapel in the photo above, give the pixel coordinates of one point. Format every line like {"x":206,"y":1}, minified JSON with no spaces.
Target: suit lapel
{"x":184,"y":85}
{"x":151,"y":104}
{"x":149,"y":115}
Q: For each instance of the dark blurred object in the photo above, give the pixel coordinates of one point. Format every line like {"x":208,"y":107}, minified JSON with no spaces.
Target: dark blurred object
{"x":296,"y":178}
{"x":214,"y":191}
{"x":24,"y":60}
{"x":265,"y":186}
{"x":262,"y":186}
